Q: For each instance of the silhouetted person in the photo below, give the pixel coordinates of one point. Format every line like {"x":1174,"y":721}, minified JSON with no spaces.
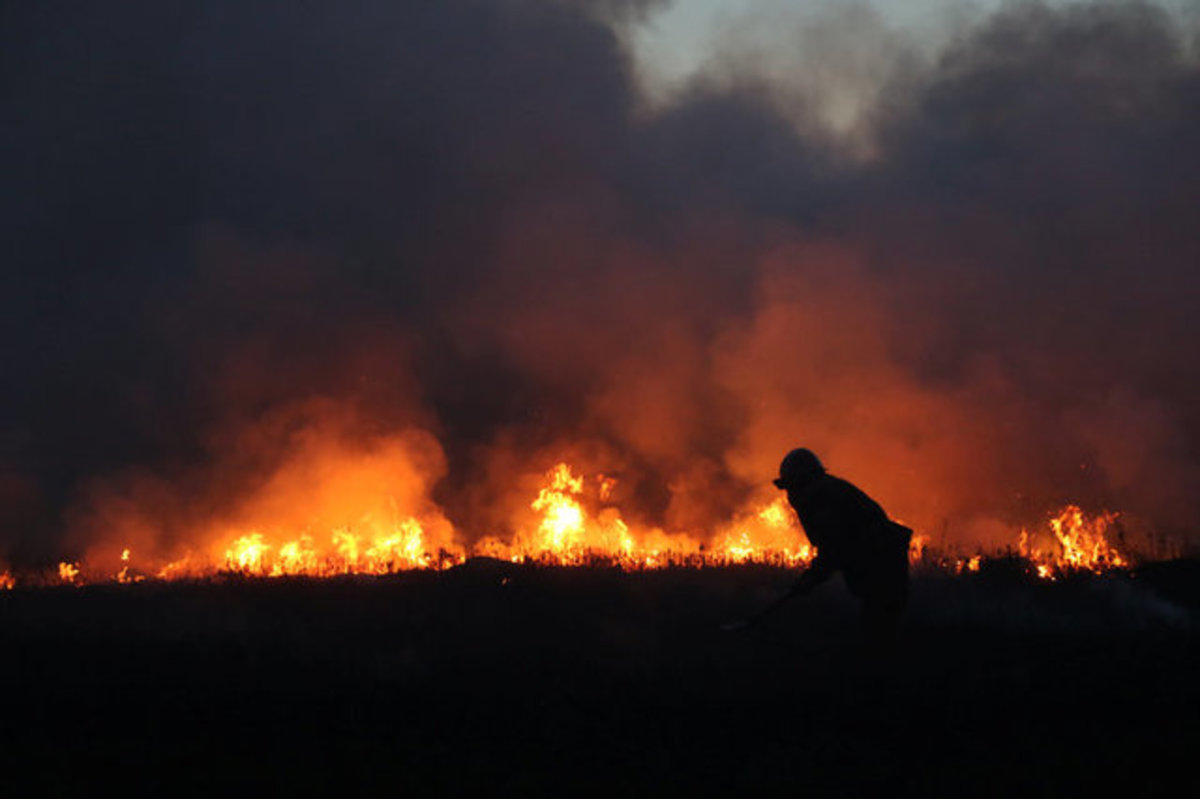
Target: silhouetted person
{"x":851,"y":534}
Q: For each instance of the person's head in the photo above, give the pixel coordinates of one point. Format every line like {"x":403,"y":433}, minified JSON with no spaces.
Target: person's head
{"x":798,"y":467}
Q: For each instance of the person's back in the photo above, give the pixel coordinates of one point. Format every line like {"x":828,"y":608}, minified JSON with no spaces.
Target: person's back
{"x":840,"y":520}
{"x":852,"y":534}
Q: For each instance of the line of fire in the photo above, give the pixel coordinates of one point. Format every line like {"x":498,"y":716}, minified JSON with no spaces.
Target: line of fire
{"x":572,"y":522}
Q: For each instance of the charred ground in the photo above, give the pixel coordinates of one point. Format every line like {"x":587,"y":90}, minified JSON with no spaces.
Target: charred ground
{"x":541,"y":681}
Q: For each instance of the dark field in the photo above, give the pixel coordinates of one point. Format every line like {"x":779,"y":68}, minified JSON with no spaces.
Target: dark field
{"x":521,"y":681}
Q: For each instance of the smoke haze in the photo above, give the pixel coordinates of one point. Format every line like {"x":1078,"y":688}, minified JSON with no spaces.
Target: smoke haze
{"x":256,"y":251}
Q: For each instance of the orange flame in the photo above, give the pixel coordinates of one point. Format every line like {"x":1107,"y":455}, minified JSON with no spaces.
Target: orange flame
{"x":1081,"y":545}
{"x":68,"y":573}
{"x":124,"y":575}
{"x":246,"y":554}
{"x":378,"y":551}
{"x":572,"y":520}
{"x":562,"y":521}
{"x":576,"y":527}
{"x":768,"y":533}
{"x":916,"y":548}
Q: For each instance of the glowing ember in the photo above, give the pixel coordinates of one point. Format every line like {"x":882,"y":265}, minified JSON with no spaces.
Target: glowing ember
{"x":971,"y":564}
{"x":7,"y":583}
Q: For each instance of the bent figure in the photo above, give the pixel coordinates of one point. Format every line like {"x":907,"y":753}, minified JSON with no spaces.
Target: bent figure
{"x":851,"y":534}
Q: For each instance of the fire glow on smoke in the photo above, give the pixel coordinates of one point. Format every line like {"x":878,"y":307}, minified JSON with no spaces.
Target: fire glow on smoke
{"x":572,"y":524}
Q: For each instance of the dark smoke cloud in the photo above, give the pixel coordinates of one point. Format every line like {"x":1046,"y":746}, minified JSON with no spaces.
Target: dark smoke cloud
{"x":453,"y":217}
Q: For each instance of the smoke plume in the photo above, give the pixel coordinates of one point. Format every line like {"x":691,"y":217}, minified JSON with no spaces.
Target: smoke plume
{"x":259,"y":257}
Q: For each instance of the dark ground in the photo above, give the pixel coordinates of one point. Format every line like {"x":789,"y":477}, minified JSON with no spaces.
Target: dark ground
{"x":519,"y":681}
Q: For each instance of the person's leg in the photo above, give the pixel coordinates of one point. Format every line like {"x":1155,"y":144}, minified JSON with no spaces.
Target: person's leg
{"x":884,"y":602}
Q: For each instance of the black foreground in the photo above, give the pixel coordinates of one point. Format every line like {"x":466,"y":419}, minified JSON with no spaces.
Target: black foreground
{"x":492,"y":679}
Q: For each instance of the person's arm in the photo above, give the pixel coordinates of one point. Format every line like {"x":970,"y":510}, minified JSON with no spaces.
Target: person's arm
{"x":818,"y":572}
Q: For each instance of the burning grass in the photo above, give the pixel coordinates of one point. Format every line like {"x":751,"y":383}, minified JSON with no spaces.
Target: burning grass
{"x":574,"y":524}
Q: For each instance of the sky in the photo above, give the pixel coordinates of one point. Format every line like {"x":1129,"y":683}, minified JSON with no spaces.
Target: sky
{"x":834,"y":56}
{"x":677,"y":40}
{"x":953,"y":252}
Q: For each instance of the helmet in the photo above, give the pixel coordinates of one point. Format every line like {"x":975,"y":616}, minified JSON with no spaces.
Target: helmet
{"x":798,"y":467}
